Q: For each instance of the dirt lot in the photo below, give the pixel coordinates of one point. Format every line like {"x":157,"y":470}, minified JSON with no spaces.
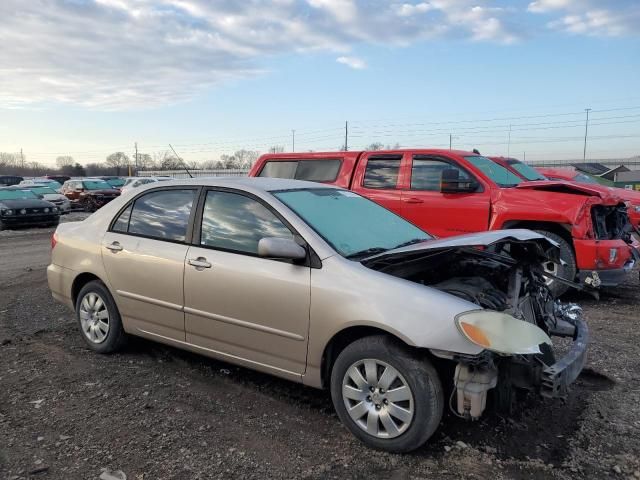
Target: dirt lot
{"x":158,"y":413}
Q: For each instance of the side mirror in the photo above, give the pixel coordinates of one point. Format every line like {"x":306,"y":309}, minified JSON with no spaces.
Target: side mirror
{"x":273,"y":247}
{"x":450,"y":182}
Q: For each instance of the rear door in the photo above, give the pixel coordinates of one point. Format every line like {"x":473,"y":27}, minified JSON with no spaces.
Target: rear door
{"x":443,"y":214}
{"x":239,"y":306}
{"x":378,"y":177}
{"x":144,"y":253}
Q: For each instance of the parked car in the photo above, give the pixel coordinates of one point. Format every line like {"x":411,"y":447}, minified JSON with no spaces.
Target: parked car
{"x":50,"y":195}
{"x":573,"y":175}
{"x":319,"y":285}
{"x":41,"y":181}
{"x":115,"y":182}
{"x":58,"y":178}
{"x":452,"y":192}
{"x":90,"y":194}
{"x":135,"y":182}
{"x":23,"y":208}
{"x":8,"y":180}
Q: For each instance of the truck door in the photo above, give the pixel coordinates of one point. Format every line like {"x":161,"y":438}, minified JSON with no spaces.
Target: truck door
{"x":443,"y":214}
{"x":378,"y":177}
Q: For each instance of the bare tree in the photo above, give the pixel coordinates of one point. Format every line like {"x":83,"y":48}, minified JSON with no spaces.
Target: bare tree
{"x":375,"y":146}
{"x":276,"y":149}
{"x":117,"y":161}
{"x":246,"y":158}
{"x":64,"y":161}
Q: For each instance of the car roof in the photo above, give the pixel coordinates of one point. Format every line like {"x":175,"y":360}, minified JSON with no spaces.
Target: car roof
{"x":256,"y":183}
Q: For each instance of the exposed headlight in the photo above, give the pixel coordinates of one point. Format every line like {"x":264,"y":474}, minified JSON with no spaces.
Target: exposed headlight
{"x":46,"y":210}
{"x":23,"y":211}
{"x":54,"y":209}
{"x":7,"y":212}
{"x":636,"y":208}
{"x":500,"y":332}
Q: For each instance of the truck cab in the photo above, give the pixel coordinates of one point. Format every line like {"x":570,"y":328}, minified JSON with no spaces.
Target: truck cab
{"x":450,"y":192}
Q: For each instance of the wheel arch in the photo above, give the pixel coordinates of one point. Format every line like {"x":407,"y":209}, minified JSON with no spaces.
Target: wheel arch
{"x":560,"y":229}
{"x":80,"y":281}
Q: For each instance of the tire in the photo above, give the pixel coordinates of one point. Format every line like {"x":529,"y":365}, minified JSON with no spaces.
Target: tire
{"x":425,"y":401}
{"x":99,"y":338}
{"x":567,"y":271}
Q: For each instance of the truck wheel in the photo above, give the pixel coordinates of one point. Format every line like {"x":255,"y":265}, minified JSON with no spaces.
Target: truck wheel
{"x":385,"y":396}
{"x":567,"y":271}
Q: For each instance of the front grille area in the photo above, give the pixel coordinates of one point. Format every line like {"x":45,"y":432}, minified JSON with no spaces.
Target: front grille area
{"x":611,"y":223}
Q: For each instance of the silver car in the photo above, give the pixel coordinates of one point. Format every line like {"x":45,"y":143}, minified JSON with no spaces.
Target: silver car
{"x":321,"y":286}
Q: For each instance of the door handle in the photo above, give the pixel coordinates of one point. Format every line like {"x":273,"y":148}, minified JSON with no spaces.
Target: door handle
{"x":114,"y":247}
{"x":413,"y":200}
{"x":199,"y":263}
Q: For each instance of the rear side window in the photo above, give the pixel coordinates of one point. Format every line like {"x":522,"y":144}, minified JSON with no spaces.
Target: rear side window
{"x":312,"y":170}
{"x":382,"y":173}
{"x":426,"y":174}
{"x":234,"y":222}
{"x":163,"y":215}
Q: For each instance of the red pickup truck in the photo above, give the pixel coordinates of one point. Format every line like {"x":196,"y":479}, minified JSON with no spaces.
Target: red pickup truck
{"x":449,"y":192}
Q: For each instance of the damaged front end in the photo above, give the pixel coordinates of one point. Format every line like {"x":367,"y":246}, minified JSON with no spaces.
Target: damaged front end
{"x":501,"y":273}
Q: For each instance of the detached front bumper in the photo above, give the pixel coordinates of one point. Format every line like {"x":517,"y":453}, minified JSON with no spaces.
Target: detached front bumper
{"x":556,"y":378}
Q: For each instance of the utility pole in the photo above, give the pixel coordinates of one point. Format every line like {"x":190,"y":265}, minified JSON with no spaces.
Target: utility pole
{"x":524,"y":156}
{"x":509,"y":142}
{"x":293,"y":140}
{"x":346,"y":136}
{"x":21,"y":158}
{"x":136,"y":157}
{"x":450,"y":141}
{"x":586,"y":129}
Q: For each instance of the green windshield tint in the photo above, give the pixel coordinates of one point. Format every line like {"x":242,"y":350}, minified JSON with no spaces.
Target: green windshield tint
{"x":43,"y":190}
{"x":96,"y":185}
{"x":16,"y":194}
{"x":348,"y":222}
{"x":115,"y":182}
{"x":495,"y":172}
{"x":525,"y":170}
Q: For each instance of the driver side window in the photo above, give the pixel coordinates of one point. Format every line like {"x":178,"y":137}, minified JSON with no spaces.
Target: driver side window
{"x":236,"y":223}
{"x":426,"y":174}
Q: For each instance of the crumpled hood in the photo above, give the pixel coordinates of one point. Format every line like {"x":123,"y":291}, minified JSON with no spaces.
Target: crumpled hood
{"x":563,"y":186}
{"x":543,"y":248}
{"x":25,"y":203}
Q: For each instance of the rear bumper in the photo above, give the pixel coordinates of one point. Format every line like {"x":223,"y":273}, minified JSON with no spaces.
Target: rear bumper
{"x":557,"y":377}
{"x":30,"y":220}
{"x":60,"y":282}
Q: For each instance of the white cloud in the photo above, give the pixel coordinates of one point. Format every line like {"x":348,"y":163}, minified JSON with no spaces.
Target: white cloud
{"x":115,"y":54}
{"x":352,"y":62}
{"x":591,"y":17}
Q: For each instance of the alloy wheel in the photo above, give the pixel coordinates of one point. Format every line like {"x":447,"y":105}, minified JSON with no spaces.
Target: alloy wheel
{"x":378,"y":398}
{"x":94,"y":317}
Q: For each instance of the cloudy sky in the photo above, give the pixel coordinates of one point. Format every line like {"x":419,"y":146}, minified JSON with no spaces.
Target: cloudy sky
{"x":89,"y":77}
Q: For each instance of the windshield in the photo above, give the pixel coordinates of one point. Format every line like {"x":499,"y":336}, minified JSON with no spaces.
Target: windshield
{"x":351,"y":224}
{"x":96,"y":185}
{"x":43,"y":190}
{"x":48,"y":183}
{"x":525,"y":170}
{"x":497,"y":173}
{"x":582,"y":178}
{"x":116,"y":182}
{"x":16,"y":194}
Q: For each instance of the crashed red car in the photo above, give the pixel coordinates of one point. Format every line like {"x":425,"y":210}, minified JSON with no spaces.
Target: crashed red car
{"x":448,"y":192}
{"x":573,"y":175}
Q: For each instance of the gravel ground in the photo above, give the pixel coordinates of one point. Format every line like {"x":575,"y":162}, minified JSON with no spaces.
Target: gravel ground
{"x":154,"y":412}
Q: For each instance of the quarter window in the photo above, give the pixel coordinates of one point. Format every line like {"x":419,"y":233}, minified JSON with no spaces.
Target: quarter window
{"x":426,"y":174}
{"x":234,"y":222}
{"x":317,"y":170}
{"x":163,"y":215}
{"x":382,"y":173}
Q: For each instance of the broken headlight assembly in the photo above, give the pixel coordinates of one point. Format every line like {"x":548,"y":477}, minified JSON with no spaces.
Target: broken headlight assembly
{"x":501,"y":333}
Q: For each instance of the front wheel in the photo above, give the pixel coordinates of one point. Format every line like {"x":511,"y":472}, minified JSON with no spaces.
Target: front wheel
{"x":387,"y":397}
{"x":566,"y":271}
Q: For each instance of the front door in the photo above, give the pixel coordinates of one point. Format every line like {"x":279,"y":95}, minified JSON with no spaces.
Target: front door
{"x":443,"y":214}
{"x":144,"y":253}
{"x":239,"y":306}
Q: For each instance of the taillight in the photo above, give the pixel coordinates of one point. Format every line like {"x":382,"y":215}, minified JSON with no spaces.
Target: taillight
{"x":54,"y":240}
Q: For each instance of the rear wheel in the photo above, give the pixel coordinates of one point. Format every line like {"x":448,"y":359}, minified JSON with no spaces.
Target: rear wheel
{"x":567,"y":271}
{"x":385,"y":396}
{"x":99,"y":319}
